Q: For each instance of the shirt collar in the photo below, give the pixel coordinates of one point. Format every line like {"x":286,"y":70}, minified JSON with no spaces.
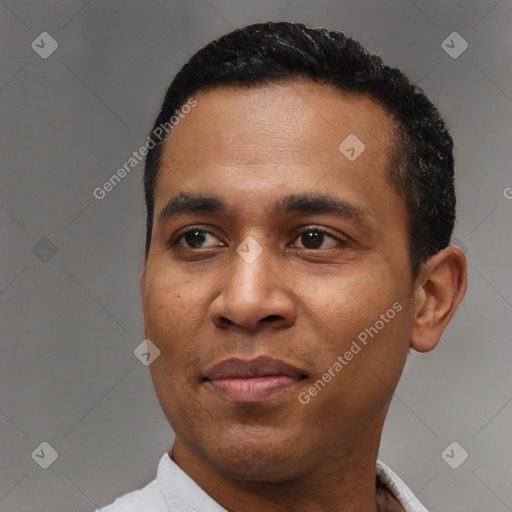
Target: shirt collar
{"x":182,"y":494}
{"x":398,"y":489}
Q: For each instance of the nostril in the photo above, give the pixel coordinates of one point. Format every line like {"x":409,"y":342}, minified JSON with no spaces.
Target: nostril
{"x":271,"y":318}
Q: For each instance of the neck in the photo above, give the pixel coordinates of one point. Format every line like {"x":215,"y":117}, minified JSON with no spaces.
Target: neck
{"x":339,"y":483}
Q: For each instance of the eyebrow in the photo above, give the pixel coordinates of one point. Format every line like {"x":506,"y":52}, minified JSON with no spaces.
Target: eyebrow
{"x":308,"y":203}
{"x":191,"y":203}
{"x":320,"y":204}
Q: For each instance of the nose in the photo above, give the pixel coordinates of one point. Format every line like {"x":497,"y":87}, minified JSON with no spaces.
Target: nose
{"x":253,"y":294}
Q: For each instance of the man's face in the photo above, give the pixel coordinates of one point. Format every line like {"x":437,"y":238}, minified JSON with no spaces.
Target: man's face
{"x":299,"y":251}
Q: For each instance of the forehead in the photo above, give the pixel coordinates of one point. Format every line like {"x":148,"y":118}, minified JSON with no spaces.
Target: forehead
{"x":299,"y":133}
{"x":282,"y":114}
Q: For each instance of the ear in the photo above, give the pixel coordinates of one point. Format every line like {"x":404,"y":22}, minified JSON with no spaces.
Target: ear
{"x":440,"y":287}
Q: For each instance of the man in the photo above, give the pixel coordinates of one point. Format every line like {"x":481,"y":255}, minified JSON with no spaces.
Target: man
{"x":300,"y":210}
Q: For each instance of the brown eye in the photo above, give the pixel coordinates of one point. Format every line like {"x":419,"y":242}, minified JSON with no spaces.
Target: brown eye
{"x":312,"y":239}
{"x":196,"y":238}
{"x":317,"y":238}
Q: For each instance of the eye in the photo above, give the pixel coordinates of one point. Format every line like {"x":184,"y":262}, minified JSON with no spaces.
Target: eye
{"x":317,"y":238}
{"x":196,"y":238}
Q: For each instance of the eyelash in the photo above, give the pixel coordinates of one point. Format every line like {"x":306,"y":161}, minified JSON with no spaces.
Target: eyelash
{"x":175,"y":241}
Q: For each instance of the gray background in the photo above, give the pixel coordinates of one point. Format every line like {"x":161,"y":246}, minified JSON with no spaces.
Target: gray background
{"x":70,"y":321}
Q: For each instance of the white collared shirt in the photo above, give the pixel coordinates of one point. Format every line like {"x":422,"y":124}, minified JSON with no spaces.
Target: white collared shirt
{"x":174,"y":491}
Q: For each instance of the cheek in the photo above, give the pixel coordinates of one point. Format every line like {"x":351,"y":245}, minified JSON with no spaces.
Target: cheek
{"x":172,"y":315}
{"x":364,"y":318}
{"x":171,"y":308}
{"x":351,"y":302}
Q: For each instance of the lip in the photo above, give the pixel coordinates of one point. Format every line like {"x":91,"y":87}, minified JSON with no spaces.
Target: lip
{"x":256,"y":380}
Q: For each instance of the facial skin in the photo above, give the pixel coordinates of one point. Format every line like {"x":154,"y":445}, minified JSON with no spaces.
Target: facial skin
{"x":301,"y":301}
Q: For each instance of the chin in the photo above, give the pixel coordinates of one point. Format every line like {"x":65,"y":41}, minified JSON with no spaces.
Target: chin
{"x":253,"y":454}
{"x":258,"y":465}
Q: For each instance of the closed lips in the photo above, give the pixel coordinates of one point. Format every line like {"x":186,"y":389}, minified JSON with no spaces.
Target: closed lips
{"x":236,"y":368}
{"x":257,"y":380}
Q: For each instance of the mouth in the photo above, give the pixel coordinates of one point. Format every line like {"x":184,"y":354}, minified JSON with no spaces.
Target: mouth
{"x":257,"y":380}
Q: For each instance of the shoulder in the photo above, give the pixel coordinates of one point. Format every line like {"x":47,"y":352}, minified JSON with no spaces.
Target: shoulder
{"x":149,"y":499}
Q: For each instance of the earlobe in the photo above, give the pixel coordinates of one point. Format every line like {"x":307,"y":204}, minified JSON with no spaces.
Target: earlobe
{"x":440,"y":288}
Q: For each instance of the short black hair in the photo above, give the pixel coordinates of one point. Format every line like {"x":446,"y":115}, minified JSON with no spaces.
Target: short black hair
{"x":421,"y":167}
